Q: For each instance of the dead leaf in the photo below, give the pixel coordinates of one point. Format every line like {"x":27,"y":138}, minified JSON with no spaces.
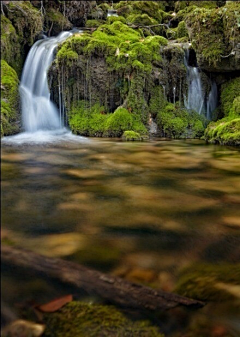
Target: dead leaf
{"x":55,"y":304}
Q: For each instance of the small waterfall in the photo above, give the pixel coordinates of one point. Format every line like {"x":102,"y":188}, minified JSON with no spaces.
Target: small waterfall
{"x":195,"y":97}
{"x":212,"y":100}
{"x":38,"y":111}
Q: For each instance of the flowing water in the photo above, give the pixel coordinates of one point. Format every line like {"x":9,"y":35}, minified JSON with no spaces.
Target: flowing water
{"x":143,"y":211}
{"x":195,"y":99}
{"x":38,"y":111}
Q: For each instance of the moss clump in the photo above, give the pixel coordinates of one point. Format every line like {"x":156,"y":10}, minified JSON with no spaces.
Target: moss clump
{"x":157,"y":100}
{"x":182,"y":30}
{"x":225,"y":131}
{"x":118,"y":122}
{"x":177,"y":122}
{"x":95,"y":122}
{"x":220,"y":25}
{"x":56,"y":21}
{"x":112,"y":19}
{"x":94,"y":23}
{"x":88,"y":121}
{"x":81,"y":320}
{"x":123,"y":47}
{"x":229,"y":91}
{"x":131,"y":135}
{"x":26,"y":19}
{"x":208,"y":282}
{"x":9,"y":100}
{"x":10,"y":44}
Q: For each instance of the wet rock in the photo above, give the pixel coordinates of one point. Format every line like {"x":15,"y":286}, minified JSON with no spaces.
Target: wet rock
{"x":21,"y":328}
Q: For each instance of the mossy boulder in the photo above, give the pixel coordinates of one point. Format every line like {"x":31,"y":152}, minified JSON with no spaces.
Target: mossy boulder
{"x":92,"y":320}
{"x":208,"y":282}
{"x":26,"y":19}
{"x":96,"y":122}
{"x":131,"y":135}
{"x":10,"y":115}
{"x":56,"y":22}
{"x":225,"y":131}
{"x":230,"y":91}
{"x":220,"y":50}
{"x":176,"y":122}
{"x":10,"y":45}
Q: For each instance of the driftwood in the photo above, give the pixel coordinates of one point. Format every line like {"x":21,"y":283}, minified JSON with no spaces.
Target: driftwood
{"x":108,"y":287}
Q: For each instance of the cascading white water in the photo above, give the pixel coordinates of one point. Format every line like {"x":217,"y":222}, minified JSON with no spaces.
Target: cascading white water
{"x":38,"y":111}
{"x":42,"y":121}
{"x":196,"y":97}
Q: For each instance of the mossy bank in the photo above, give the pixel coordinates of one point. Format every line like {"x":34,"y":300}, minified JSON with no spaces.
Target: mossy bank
{"x":124,"y":71}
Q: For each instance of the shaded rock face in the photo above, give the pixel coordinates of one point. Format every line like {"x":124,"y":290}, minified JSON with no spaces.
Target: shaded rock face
{"x":88,"y":79}
{"x":66,"y":14}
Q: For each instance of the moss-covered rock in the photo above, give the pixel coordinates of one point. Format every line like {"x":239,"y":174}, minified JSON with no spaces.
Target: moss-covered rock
{"x":81,"y":320}
{"x":131,"y":135}
{"x":26,"y":19}
{"x":208,"y":282}
{"x":229,"y":91}
{"x":10,"y":45}
{"x":225,"y":131}
{"x":95,"y":122}
{"x":220,"y":51}
{"x":56,"y":22}
{"x":177,"y":122}
{"x":10,"y":117}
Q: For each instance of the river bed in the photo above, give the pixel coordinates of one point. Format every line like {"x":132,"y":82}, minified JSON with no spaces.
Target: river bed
{"x":145,"y":211}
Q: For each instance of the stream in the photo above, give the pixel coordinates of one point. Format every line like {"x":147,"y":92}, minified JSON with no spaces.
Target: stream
{"x":140,"y":210}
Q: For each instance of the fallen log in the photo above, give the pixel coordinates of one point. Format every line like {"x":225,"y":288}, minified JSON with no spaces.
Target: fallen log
{"x":108,"y":287}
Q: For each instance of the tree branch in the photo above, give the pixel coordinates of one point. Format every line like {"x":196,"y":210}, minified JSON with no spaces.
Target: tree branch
{"x":108,"y":287}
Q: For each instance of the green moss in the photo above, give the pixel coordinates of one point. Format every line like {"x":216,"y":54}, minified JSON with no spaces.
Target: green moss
{"x":182,"y":30}
{"x":131,"y":135}
{"x":26,"y":19}
{"x":81,"y":320}
{"x":112,"y":19}
{"x":205,"y":4}
{"x":118,"y":122}
{"x":88,"y":121}
{"x":10,"y":44}
{"x":221,"y":27}
{"x":208,"y":282}
{"x":123,"y":47}
{"x":157,"y":100}
{"x":177,"y":122}
{"x":56,"y":21}
{"x":229,"y":91}
{"x":94,"y":23}
{"x":95,"y":122}
{"x":9,"y":100}
{"x":225,"y":131}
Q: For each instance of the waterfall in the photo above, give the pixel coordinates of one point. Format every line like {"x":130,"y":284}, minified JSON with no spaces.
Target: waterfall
{"x":196,"y":97}
{"x":38,"y":111}
{"x":212,"y":100}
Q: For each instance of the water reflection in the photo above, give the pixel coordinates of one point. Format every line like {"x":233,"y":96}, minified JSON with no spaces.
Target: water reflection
{"x":144,"y":211}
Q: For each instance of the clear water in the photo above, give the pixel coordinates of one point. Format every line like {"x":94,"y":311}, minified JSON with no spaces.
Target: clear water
{"x":142,"y":211}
